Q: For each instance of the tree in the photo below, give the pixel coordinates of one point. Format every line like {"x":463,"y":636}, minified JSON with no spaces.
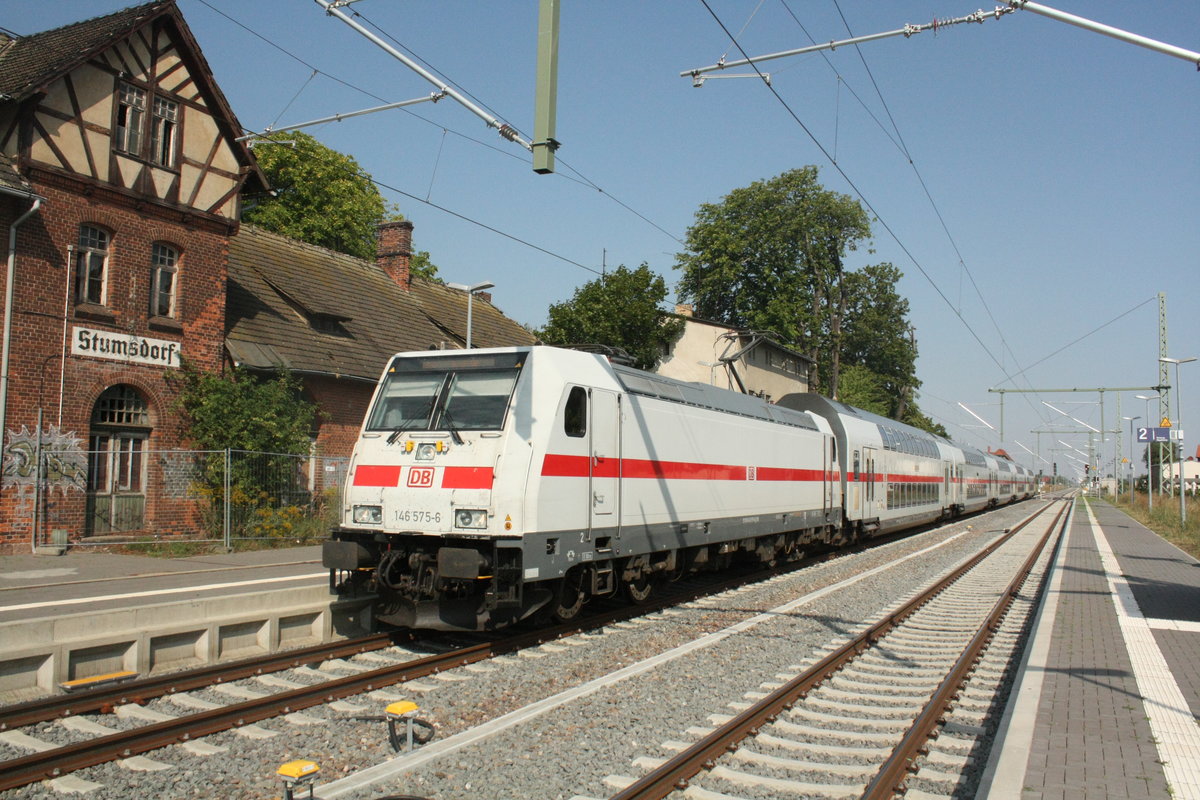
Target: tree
{"x":877,"y":334}
{"x":321,"y":196}
{"x":862,"y":388}
{"x":618,"y":309}
{"x":242,"y":412}
{"x":421,"y":265}
{"x":268,"y":419}
{"x":770,"y":256}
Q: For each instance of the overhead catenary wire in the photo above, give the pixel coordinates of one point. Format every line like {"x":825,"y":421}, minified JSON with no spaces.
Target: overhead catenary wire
{"x":860,"y":194}
{"x":265,"y":136}
{"x":581,"y":179}
{"x":977,"y":17}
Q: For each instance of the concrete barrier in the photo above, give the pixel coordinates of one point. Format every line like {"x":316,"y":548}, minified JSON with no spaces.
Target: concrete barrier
{"x":39,"y":654}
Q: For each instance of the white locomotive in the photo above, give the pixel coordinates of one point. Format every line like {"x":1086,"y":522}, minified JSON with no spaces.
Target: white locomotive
{"x":490,"y":485}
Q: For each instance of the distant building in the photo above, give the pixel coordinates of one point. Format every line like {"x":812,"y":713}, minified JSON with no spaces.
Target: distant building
{"x":740,"y":360}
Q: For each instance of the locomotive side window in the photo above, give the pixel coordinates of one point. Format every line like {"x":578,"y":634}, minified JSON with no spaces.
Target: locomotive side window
{"x":575,"y":413}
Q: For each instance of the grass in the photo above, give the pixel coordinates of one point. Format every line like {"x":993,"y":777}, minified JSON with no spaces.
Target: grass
{"x":1164,"y":518}
{"x":183,"y":548}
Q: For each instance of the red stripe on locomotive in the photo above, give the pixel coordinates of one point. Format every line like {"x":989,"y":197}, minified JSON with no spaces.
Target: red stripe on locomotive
{"x":467,"y":478}
{"x":376,"y":475}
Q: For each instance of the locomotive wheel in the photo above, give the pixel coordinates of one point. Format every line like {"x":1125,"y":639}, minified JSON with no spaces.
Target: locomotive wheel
{"x":638,"y":590}
{"x":568,"y":597}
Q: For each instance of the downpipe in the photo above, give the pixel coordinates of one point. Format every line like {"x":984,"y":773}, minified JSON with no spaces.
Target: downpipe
{"x":6,"y":346}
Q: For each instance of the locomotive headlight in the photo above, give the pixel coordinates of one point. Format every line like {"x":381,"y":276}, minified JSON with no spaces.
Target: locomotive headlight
{"x":368,"y":515}
{"x":470,"y":518}
{"x":426,"y":451}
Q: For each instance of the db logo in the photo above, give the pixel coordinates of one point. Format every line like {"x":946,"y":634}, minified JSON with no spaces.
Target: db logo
{"x":420,"y":477}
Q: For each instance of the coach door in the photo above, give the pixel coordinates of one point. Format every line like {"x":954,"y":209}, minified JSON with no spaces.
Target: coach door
{"x":829,"y":466}
{"x":870,"y":508}
{"x":605,"y":459}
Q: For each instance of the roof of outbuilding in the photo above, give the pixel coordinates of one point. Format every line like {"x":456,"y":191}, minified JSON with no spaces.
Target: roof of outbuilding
{"x":313,"y":310}
{"x":11,"y":180}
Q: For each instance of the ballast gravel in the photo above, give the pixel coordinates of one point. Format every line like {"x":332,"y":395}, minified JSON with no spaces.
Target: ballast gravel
{"x":567,"y":751}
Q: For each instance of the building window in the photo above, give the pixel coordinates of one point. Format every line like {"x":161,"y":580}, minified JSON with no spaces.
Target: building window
{"x":92,"y":265}
{"x":146,"y":125}
{"x":162,"y":134}
{"x":131,"y":109}
{"x":164,"y":272}
{"x":121,"y":405}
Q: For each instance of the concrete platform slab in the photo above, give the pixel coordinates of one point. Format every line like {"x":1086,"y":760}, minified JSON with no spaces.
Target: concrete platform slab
{"x":1107,"y":699}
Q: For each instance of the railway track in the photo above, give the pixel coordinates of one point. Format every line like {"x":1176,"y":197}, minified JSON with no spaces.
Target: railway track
{"x":860,"y":722}
{"x":373,"y":667}
{"x":127,"y":698}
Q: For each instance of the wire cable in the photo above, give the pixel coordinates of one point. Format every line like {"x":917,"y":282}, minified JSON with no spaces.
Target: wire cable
{"x":581,"y":179}
{"x":861,"y":196}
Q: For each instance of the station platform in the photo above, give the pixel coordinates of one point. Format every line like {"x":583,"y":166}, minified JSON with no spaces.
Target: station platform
{"x":66,"y":619}
{"x":35,"y":585}
{"x":1108,"y":696}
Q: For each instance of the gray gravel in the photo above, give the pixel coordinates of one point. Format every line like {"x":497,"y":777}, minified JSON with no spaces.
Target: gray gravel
{"x":570,"y":750}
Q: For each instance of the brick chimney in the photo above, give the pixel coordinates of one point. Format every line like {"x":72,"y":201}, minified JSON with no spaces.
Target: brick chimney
{"x":684,"y":309}
{"x":393,"y":250}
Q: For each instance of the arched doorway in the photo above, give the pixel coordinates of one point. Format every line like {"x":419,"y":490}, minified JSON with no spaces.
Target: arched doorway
{"x":116,"y":495}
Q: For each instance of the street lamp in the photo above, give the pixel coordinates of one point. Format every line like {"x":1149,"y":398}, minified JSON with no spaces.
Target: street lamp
{"x":1149,"y":453}
{"x":1179,"y":423}
{"x":1131,"y":419}
{"x":470,"y":290}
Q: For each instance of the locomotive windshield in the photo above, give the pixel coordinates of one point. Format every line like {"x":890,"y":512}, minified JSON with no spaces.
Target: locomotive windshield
{"x":453,"y":392}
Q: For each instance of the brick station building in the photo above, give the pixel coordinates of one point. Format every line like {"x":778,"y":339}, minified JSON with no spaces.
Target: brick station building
{"x":120,"y":184}
{"x":120,"y":188}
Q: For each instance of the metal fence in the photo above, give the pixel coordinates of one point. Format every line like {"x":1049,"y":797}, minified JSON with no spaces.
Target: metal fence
{"x":128,"y":494}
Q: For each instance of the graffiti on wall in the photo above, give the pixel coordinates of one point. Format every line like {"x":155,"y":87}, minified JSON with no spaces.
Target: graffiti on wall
{"x":64,"y":461}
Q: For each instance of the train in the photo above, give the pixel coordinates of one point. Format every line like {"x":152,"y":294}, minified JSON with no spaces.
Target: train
{"x":497,"y":485}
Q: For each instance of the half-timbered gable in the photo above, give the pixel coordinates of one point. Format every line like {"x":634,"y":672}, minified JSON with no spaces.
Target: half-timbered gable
{"x":125,"y":102}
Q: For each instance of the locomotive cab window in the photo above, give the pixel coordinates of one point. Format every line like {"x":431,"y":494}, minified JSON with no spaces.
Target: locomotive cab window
{"x":446,"y":392}
{"x":575,"y":413}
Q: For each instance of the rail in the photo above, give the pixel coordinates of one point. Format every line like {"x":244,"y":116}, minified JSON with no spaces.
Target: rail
{"x":678,"y":770}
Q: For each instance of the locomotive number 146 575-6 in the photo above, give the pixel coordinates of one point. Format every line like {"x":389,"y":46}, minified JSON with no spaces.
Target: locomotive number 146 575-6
{"x":418,"y":516}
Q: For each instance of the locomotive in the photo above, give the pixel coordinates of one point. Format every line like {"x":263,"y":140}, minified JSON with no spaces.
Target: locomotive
{"x":490,"y":486}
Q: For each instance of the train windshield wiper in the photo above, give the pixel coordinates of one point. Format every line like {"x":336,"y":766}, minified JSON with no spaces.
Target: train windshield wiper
{"x":448,"y":422}
{"x":399,"y":430}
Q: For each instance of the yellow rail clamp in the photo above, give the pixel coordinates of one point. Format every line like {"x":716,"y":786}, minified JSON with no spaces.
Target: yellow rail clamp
{"x":298,"y":773}
{"x":97,"y":680}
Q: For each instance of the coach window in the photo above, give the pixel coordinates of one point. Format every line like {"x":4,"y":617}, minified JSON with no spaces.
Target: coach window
{"x":855,"y":465}
{"x":575,"y":413}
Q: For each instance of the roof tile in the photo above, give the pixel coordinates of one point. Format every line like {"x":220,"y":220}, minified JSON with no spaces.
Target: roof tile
{"x":318,"y":311}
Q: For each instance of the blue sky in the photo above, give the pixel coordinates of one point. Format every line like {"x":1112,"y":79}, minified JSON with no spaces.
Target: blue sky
{"x":1063,"y":166}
